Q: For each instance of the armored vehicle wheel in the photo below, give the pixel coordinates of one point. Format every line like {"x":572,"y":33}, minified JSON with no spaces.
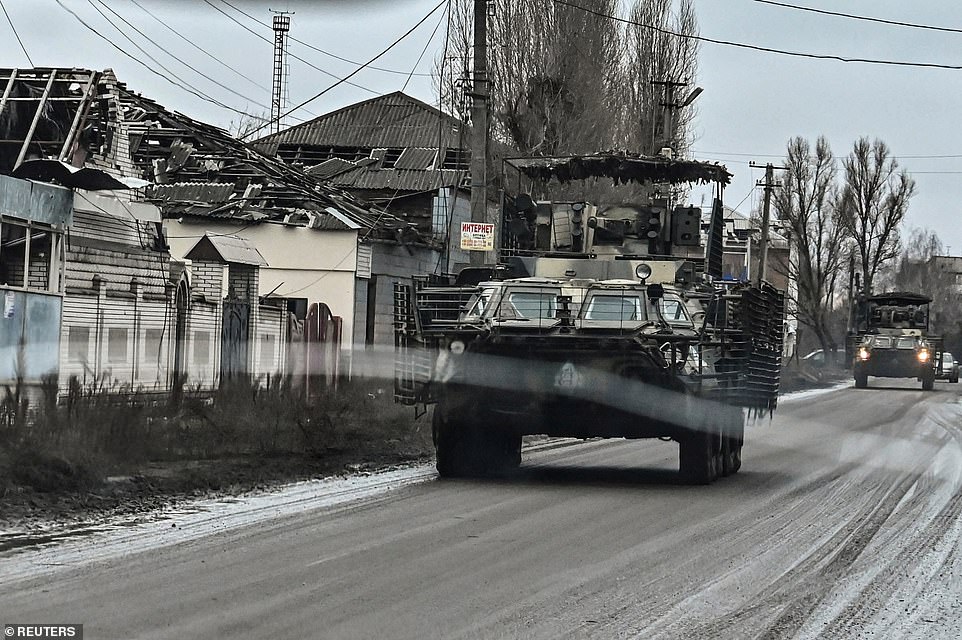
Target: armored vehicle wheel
{"x":861,"y":380}
{"x":736,"y":457}
{"x":954,"y":379}
{"x":733,"y":437}
{"x":452,"y":445}
{"x":468,"y":450}
{"x":731,"y":456}
{"x":928,"y":381}
{"x":699,"y":459}
{"x":501,"y":451}
{"x":725,"y":455}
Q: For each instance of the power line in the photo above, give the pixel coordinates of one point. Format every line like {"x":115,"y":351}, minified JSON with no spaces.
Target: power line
{"x":270,"y":42}
{"x":390,"y":201}
{"x":15,"y":33}
{"x":353,"y":73}
{"x":186,"y":64}
{"x":896,"y":23}
{"x":423,"y":51}
{"x":177,"y":84}
{"x":204,"y":51}
{"x":753,"y":47}
{"x":322,"y":51}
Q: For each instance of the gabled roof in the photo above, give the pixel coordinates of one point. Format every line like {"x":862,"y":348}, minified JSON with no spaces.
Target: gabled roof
{"x":395,"y":120}
{"x":228,"y":249}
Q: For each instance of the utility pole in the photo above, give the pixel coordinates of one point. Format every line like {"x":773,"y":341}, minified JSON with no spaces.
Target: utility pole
{"x":479,"y":124}
{"x":769,"y":185}
{"x":669,"y":105}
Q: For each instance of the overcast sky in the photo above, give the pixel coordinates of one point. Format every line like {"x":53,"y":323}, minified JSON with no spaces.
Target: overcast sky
{"x":752,"y":104}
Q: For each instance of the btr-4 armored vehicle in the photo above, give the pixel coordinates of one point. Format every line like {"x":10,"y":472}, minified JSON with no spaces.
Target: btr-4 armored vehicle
{"x":893,"y":340}
{"x":595,"y":322}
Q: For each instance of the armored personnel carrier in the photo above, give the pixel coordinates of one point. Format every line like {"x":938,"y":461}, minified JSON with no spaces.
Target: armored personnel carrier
{"x":892,"y":340}
{"x":593,"y":323}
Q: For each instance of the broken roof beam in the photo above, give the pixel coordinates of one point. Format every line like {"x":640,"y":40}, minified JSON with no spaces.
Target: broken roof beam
{"x":36,"y":119}
{"x":6,"y":92}
{"x":81,"y":114}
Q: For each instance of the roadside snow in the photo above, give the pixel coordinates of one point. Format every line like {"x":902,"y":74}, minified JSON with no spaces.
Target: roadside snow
{"x":811,"y":393}
{"x":39,"y":552}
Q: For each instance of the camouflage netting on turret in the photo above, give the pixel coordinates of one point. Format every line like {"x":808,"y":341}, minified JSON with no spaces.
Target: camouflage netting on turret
{"x":622,"y":169}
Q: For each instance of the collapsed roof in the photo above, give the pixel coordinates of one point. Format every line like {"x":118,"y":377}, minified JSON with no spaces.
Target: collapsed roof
{"x":88,"y":118}
{"x":391,"y":142}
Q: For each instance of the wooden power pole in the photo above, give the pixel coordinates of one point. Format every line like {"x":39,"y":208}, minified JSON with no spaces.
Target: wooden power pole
{"x":769,"y":185}
{"x":479,"y":123}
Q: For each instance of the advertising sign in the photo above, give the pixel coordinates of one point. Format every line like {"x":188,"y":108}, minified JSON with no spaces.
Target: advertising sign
{"x":477,"y":236}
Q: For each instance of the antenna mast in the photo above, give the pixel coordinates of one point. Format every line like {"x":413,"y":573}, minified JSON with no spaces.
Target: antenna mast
{"x":282,"y":24}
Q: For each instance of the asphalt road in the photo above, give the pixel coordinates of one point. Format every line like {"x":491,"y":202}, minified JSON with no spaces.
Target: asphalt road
{"x":843,"y":523}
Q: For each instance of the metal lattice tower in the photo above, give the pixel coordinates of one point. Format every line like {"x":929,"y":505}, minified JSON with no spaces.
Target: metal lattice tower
{"x":282,"y":24}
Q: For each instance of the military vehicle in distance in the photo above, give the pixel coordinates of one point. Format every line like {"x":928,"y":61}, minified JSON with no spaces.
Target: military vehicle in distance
{"x":596,"y":322}
{"x":892,"y":340}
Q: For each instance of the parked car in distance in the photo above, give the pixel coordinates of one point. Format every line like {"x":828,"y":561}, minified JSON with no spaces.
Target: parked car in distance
{"x":815,"y":359}
{"x":950,"y":368}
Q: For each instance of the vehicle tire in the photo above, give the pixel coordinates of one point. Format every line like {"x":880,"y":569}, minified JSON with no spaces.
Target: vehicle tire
{"x":452,"y":446}
{"x":735,"y":438}
{"x":954,"y":379}
{"x":928,"y":382}
{"x":861,"y":380}
{"x":698,"y":457}
{"x":726,"y":457}
{"x":736,"y":456}
{"x":502,"y":452}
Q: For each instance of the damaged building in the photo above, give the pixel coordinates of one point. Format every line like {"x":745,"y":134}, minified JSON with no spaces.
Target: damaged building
{"x":186,"y":253}
{"x":408,"y":157}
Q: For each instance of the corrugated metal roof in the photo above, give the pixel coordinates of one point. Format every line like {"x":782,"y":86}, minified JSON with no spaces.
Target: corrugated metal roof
{"x":395,"y":120}
{"x":416,"y":158}
{"x":401,"y":179}
{"x":192,"y":191}
{"x":330,"y":167}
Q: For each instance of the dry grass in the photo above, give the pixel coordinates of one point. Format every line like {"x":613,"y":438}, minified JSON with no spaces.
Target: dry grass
{"x":98,"y":430}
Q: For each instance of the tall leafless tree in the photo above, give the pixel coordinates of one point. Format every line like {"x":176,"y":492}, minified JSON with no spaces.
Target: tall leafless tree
{"x":873,"y":202}
{"x":653,"y":54}
{"x":805,"y":205}
{"x":570,"y":79}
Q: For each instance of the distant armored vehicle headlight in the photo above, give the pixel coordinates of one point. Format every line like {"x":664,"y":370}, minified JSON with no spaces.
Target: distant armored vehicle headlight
{"x":923,"y":356}
{"x":456,"y":347}
{"x":643,"y":271}
{"x":864,"y":354}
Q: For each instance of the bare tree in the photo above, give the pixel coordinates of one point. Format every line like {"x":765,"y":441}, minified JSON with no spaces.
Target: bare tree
{"x":872,"y":205}
{"x":569,"y":79}
{"x":246,"y":124}
{"x":654,"y":55}
{"x":805,"y":205}
{"x":923,"y":268}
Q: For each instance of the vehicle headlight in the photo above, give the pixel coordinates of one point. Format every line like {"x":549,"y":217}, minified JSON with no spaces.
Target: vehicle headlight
{"x":456,"y":347}
{"x":923,"y":356}
{"x":643,"y":271}
{"x":864,"y":354}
